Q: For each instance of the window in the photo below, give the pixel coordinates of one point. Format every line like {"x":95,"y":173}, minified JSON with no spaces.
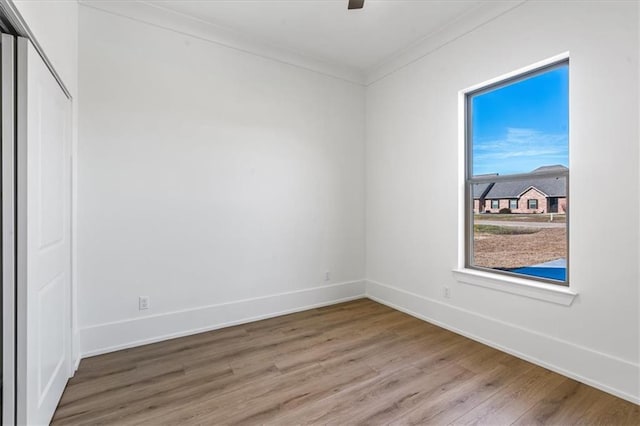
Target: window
{"x":517,"y":146}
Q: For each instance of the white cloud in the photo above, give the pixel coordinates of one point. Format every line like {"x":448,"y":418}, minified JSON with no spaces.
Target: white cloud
{"x":521,"y":150}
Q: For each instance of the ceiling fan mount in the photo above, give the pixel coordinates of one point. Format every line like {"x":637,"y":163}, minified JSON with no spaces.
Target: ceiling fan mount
{"x":355,"y":4}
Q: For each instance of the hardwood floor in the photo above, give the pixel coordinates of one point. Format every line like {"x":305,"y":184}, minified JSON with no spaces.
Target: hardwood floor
{"x":353,"y":363}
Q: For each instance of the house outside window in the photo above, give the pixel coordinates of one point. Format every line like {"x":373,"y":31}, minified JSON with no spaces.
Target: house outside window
{"x":524,"y":119}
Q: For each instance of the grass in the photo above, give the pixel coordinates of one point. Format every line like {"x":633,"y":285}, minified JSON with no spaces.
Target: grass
{"x":503,"y":230}
{"x":522,"y":217}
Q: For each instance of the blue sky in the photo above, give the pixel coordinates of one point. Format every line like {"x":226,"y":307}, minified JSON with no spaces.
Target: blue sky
{"x":525,"y":125}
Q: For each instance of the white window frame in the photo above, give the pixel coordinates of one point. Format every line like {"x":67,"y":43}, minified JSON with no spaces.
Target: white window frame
{"x":532,"y":287}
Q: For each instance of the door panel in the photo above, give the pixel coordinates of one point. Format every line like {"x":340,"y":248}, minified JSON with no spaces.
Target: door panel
{"x":52,"y":173}
{"x":44,"y":262}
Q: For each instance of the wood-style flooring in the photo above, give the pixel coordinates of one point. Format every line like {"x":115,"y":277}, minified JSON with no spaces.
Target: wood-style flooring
{"x":354,"y":363}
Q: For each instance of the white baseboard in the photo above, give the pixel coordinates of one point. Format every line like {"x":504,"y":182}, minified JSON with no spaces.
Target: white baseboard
{"x":103,"y":338}
{"x":76,"y":355}
{"x":602,"y":371}
{"x":605,"y":372}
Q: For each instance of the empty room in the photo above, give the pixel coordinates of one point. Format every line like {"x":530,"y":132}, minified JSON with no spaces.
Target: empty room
{"x":318,"y":212}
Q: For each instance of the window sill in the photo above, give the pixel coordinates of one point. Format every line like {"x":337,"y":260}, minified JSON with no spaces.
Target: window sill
{"x":521,"y":286}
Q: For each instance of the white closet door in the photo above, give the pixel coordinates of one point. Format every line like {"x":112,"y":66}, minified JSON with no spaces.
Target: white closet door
{"x":44,"y":245}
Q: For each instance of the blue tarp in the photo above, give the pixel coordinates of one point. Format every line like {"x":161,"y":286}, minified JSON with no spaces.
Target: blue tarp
{"x":543,"y":272}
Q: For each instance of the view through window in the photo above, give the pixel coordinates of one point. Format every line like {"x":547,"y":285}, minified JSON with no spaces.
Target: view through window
{"x":517,"y":175}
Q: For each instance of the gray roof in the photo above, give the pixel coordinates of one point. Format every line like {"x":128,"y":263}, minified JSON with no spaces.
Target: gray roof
{"x":550,"y":186}
{"x":479,"y":189}
{"x":554,"y":168}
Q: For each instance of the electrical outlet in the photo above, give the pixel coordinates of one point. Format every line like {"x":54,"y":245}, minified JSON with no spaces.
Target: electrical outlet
{"x":144,"y":303}
{"x":327,"y":276}
{"x":446,"y":292}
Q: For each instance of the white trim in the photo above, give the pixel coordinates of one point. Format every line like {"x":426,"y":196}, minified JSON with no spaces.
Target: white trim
{"x":161,"y":17}
{"x":608,"y":373}
{"x":20,"y":25}
{"x":76,"y":363}
{"x":75,"y":335}
{"x":113,"y":336}
{"x":603,"y":371}
{"x":8,"y":138}
{"x":535,"y":189}
{"x":21,"y":230}
{"x":465,"y":24}
{"x":462,"y":201}
{"x":521,"y":286}
{"x":564,"y":56}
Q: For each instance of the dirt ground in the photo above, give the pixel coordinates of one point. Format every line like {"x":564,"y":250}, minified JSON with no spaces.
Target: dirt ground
{"x":516,"y":251}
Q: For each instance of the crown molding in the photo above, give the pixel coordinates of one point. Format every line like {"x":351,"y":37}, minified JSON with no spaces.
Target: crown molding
{"x":187,"y":25}
{"x":464,"y":24}
{"x":162,"y":17}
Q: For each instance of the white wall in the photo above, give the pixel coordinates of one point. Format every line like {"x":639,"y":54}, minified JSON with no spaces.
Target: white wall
{"x":221,"y":184}
{"x":412,"y":188}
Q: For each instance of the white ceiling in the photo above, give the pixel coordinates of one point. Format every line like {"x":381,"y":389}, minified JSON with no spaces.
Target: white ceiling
{"x":324,"y":29}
